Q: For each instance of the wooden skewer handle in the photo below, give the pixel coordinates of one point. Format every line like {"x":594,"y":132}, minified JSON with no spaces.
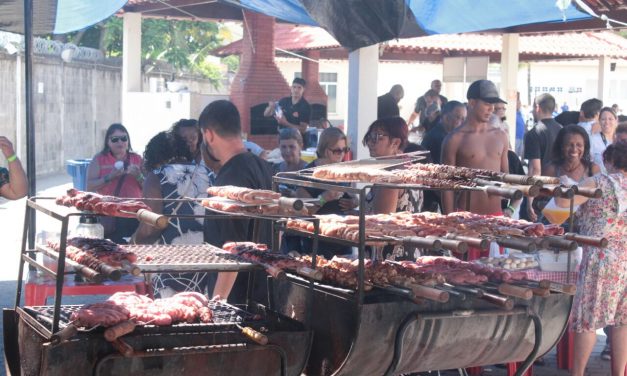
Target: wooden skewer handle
{"x":589,"y":240}
{"x":473,"y":242}
{"x":526,"y":245}
{"x":452,"y":244}
{"x":517,"y":179}
{"x":561,"y":243}
{"x":274,"y":271}
{"x":559,"y":287}
{"x":430,"y":293}
{"x":310,"y":273}
{"x":539,"y":291}
{"x":153,"y":219}
{"x":119,"y":330}
{"x":589,"y":192}
{"x":254,"y":335}
{"x":547,"y":179}
{"x":133,"y":269}
{"x":501,"y":301}
{"x":515,"y":291}
{"x":529,"y":190}
{"x":431,"y":243}
{"x":512,"y":194}
{"x":112,"y":273}
{"x":123,"y":348}
{"x":64,"y":334}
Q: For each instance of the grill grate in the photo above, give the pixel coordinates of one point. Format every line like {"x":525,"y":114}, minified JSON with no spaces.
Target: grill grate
{"x":223,"y":314}
{"x":186,"y":257}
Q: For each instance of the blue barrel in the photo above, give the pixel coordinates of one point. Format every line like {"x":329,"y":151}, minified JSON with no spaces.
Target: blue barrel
{"x":77,"y":168}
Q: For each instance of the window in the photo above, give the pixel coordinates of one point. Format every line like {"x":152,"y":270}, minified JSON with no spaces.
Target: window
{"x":328,"y":82}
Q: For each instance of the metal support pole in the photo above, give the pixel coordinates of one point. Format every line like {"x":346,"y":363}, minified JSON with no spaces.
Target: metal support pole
{"x":28,"y":102}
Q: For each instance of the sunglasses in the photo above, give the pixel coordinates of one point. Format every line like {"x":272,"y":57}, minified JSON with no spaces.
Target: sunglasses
{"x":375,"y":137}
{"x":117,"y":139}
{"x":339,"y":151}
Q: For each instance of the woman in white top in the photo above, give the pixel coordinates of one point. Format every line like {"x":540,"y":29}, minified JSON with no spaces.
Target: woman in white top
{"x":599,"y":141}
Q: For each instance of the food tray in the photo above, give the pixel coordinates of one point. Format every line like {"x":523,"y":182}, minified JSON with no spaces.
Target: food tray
{"x":188,"y":257}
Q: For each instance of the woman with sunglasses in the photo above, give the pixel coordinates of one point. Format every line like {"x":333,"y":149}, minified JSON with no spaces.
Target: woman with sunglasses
{"x":332,"y":148}
{"x":384,"y":138}
{"x":116,"y":171}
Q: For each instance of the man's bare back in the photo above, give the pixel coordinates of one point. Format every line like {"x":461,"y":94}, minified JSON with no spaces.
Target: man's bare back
{"x":476,"y":145}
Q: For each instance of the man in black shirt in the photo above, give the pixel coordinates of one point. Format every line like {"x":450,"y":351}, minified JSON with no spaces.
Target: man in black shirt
{"x":293,"y":111}
{"x":539,"y":140}
{"x":221,"y":128}
{"x":387,"y":104}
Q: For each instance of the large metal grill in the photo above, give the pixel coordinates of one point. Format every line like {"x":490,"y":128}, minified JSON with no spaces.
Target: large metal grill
{"x":189,"y":258}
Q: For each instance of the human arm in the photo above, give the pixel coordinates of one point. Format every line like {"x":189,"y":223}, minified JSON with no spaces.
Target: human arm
{"x":94,"y":181}
{"x":17,"y":187}
{"x":146,"y":234}
{"x":269,"y":111}
{"x":411,"y":119}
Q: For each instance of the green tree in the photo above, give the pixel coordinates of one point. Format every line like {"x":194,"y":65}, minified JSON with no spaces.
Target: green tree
{"x":185,"y":45}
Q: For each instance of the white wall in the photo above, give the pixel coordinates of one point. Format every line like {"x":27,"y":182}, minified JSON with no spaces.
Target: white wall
{"x":416,"y":78}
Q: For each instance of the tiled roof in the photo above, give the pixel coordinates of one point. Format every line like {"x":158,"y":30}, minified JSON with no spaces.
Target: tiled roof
{"x":575,"y":44}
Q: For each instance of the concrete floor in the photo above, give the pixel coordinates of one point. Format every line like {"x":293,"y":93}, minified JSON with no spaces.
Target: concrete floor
{"x":12,"y":214}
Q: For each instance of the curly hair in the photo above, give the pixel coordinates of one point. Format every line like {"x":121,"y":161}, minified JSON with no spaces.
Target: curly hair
{"x":616,"y":155}
{"x":558,"y":145}
{"x":165,"y":147}
{"x":187,"y":123}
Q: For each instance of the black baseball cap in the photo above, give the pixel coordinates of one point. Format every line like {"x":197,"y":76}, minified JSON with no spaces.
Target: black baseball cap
{"x":484,"y":90}
{"x":299,"y":81}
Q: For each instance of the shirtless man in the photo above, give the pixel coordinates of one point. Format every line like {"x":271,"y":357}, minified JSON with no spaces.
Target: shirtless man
{"x":478,"y":145}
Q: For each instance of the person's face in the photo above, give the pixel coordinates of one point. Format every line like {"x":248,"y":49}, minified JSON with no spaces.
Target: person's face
{"x":456,"y":118}
{"x":499,"y":110}
{"x":574,"y":146}
{"x":481,"y":110}
{"x":335,"y":153}
{"x":437,"y":86}
{"x":297,"y":90}
{"x":380,"y":144}
{"x":620,"y":137}
{"x":290,"y":151}
{"x":190,"y":135}
{"x":118,"y":142}
{"x":608,"y":122}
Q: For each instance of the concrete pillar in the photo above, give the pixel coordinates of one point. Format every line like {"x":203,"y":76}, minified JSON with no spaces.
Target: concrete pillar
{"x":509,"y":81}
{"x":362,"y":96}
{"x":603,"y":88}
{"x":131,"y":55}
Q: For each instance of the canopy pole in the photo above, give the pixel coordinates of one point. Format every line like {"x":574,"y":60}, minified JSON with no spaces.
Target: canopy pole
{"x":603,"y":88}
{"x":28,"y":103}
{"x":363,"y":65}
{"x":509,"y":82}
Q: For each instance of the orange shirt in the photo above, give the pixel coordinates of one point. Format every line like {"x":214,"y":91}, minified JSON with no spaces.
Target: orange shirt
{"x":131,"y":188}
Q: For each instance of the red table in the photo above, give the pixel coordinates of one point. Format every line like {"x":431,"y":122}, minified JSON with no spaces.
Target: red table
{"x":38,"y":289}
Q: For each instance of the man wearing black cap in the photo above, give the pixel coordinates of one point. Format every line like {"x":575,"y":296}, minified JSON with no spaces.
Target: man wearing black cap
{"x":293,"y":111}
{"x":476,"y":144}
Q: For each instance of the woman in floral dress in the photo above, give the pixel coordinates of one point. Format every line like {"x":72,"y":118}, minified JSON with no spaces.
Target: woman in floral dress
{"x":174,"y":175}
{"x":601,"y":298}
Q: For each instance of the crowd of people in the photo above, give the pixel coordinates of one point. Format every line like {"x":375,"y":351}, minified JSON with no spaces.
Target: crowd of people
{"x":586,"y":148}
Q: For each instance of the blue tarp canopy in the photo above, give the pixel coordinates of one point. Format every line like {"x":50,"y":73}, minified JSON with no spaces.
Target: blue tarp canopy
{"x":359,"y":23}
{"x":56,"y":16}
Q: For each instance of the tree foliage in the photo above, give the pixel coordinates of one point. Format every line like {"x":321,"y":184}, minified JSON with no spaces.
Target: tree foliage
{"x":185,"y":45}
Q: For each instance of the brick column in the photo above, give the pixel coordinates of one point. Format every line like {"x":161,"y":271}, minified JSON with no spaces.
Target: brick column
{"x":311,"y":71}
{"x":258,"y":79}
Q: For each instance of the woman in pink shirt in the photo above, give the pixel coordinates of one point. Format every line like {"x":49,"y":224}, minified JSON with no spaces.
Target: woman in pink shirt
{"x":116,"y":171}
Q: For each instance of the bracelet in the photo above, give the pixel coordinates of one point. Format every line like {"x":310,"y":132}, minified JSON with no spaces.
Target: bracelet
{"x":12,"y":158}
{"x":140,"y":177}
{"x":321,"y":200}
{"x":106,"y":179}
{"x":511,"y":208}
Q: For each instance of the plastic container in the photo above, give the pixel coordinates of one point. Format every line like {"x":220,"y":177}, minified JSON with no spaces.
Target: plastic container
{"x":558,"y":262}
{"x":88,"y":227}
{"x":77,"y":168}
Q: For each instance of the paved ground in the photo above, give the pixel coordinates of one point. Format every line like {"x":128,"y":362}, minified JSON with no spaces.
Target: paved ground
{"x":12,"y":214}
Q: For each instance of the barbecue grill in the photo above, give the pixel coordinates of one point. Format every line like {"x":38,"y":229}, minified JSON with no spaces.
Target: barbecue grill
{"x":42,"y":340}
{"x":215,"y":348}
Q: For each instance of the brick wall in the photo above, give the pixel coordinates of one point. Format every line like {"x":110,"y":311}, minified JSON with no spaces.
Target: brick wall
{"x":310,"y":69}
{"x":258,"y":79}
